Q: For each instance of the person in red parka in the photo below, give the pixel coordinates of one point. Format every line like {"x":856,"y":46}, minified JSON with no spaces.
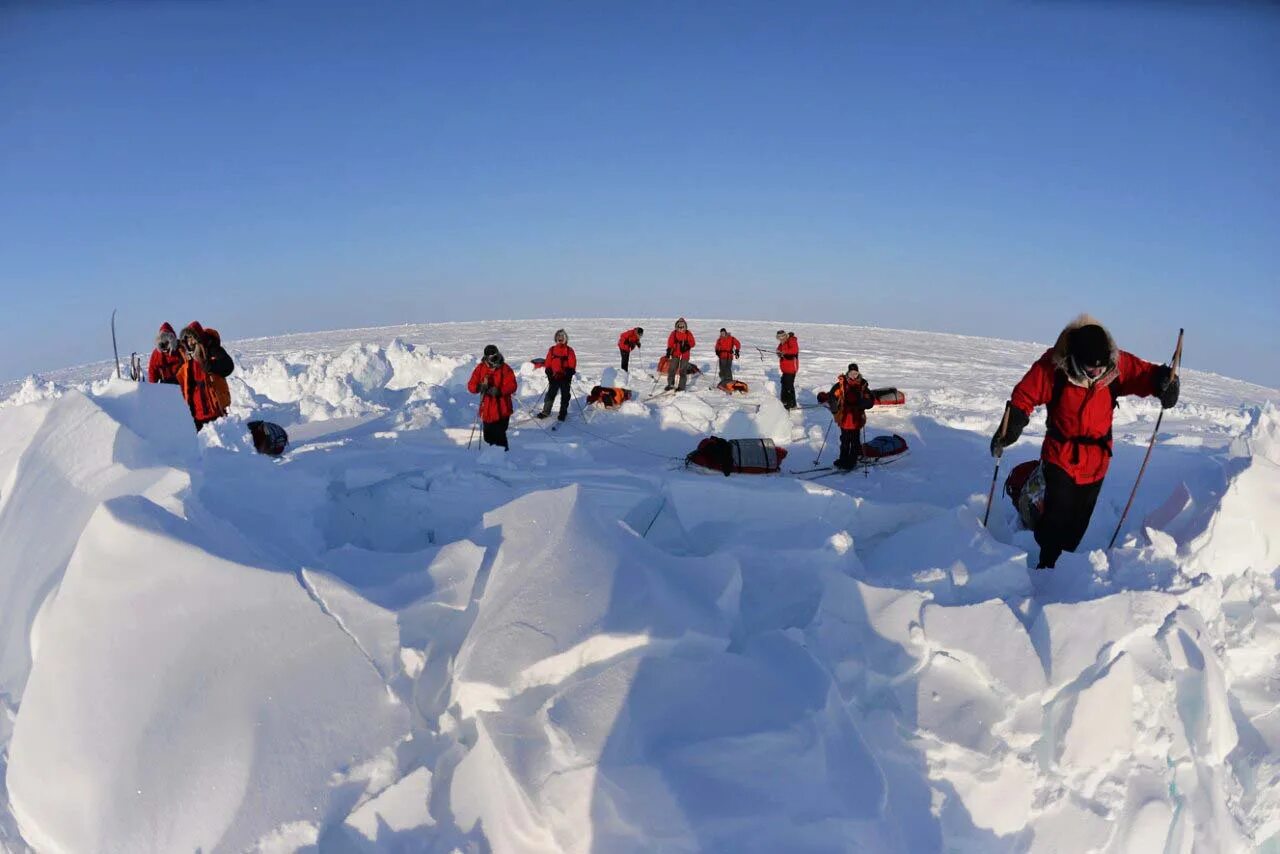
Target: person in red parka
{"x":203,"y":372}
{"x":788,"y":366}
{"x":495,"y":382}
{"x":728,"y":348}
{"x":849,"y":399}
{"x":561,"y":364}
{"x":680,"y":344}
{"x":627,"y":342}
{"x":1078,"y":379}
{"x":165,"y":359}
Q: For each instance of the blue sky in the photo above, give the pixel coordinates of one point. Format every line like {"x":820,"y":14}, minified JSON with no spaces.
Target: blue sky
{"x":986,"y":169}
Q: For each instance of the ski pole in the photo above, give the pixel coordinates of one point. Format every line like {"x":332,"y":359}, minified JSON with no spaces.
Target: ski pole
{"x":991,"y":493}
{"x":1173,"y":375}
{"x":824,"y":443}
{"x":114,"y":349}
{"x":473,"y":429}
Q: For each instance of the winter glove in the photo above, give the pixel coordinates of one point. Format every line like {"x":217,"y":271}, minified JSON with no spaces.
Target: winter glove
{"x":1167,"y":387}
{"x":668,"y":352}
{"x":1012,"y":430}
{"x":493,"y":392}
{"x":684,"y":348}
{"x":736,"y":353}
{"x":484,"y":386}
{"x":822,"y":397}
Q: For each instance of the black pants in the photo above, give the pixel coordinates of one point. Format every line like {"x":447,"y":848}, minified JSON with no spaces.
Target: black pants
{"x":850,"y":448}
{"x":560,"y":387}
{"x":495,"y":432}
{"x":1068,"y":506}
{"x":626,"y":359}
{"x":789,"y":391}
{"x":677,"y":365}
{"x":726,"y":369}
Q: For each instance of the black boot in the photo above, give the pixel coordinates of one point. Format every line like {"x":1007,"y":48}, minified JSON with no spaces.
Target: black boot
{"x":546,"y":413}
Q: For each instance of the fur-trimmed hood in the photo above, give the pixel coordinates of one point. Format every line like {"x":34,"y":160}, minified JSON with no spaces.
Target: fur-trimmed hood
{"x":1062,"y":358}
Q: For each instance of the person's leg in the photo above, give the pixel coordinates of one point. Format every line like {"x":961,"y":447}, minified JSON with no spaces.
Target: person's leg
{"x":626,"y":358}
{"x":548,"y":399}
{"x":672,"y":363}
{"x":683,"y":370}
{"x":489,"y":431}
{"x":566,"y":388}
{"x":1086,"y":497}
{"x":500,"y":431}
{"x":726,"y":370}
{"x":1059,"y":521}
{"x":789,"y":390}
{"x":845,"y":460}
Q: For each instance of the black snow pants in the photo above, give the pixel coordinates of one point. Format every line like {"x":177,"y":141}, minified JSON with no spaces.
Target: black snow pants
{"x":726,"y":369}
{"x":850,"y":448}
{"x":562,"y":388}
{"x":626,"y":358}
{"x":495,"y":432}
{"x":1068,"y":506}
{"x":789,"y":391}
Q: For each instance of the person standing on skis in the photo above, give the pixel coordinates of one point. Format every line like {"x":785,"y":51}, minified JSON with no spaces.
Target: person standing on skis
{"x":788,"y":366}
{"x":849,"y":399}
{"x":561,"y":364}
{"x":728,"y":348}
{"x":680,"y":344}
{"x":1079,"y":380}
{"x":627,"y":342}
{"x":495,"y":382}
{"x":165,"y":358}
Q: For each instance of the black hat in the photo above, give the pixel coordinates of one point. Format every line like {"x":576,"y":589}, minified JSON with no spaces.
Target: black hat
{"x":725,"y":331}
{"x":490,"y":350}
{"x":1089,"y":346}
{"x":639,"y":330}
{"x":853,"y":366}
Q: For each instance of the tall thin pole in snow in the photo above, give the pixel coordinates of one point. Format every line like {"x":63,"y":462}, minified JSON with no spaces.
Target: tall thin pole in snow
{"x":995,"y":475}
{"x":1177,"y":360}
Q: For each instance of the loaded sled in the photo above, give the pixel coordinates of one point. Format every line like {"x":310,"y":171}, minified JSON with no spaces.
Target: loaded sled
{"x":737,"y":456}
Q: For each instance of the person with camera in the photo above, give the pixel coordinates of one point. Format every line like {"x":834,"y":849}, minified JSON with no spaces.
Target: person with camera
{"x":203,"y":372}
{"x":495,"y":382}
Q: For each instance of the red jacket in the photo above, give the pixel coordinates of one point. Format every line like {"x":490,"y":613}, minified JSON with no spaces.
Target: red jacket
{"x":206,"y":393}
{"x":727,"y":346}
{"x":849,"y":401}
{"x":680,"y":342}
{"x":504,"y":380}
{"x":1079,"y":421}
{"x":789,"y":355}
{"x":628,"y":340}
{"x":560,"y":360}
{"x":163,"y":367}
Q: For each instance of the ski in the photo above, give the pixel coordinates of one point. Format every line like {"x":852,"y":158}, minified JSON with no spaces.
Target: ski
{"x":114,"y":348}
{"x":812,"y":470}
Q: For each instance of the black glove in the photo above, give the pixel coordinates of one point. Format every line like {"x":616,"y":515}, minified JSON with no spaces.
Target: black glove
{"x":1167,"y":387}
{"x":484,"y":387}
{"x":668,"y":352}
{"x":736,"y":354}
{"x":684,"y":348}
{"x":1012,"y":429}
{"x":493,"y":392}
{"x":550,"y":373}
{"x":822,"y":397}
{"x":568,"y":375}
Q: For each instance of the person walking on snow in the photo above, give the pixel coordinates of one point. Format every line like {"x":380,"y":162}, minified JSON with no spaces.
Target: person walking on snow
{"x":165,"y":359}
{"x":849,"y":399}
{"x":788,"y":365}
{"x":495,"y":382}
{"x":728,"y":348}
{"x":680,"y":344}
{"x":627,"y":342}
{"x":203,"y":372}
{"x":561,"y":364}
{"x":1079,"y":380}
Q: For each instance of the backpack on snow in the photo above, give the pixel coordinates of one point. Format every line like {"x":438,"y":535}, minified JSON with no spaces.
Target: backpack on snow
{"x":1025,"y":487}
{"x":270,"y":439}
{"x":609,"y":398}
{"x":733,"y":387}
{"x":664,"y":364}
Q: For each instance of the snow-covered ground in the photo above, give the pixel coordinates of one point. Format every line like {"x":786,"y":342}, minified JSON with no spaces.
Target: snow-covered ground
{"x":387,"y":642}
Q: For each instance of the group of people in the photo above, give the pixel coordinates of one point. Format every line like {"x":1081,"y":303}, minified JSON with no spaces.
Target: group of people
{"x":196,"y":362}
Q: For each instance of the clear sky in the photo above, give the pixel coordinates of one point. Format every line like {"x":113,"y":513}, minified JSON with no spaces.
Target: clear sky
{"x":982,"y":168}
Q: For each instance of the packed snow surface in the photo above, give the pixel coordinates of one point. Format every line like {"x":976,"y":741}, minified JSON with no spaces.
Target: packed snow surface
{"x":386,"y":641}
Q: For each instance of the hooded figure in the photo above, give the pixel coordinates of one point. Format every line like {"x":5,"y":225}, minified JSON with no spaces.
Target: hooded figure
{"x":849,"y":399}
{"x":788,"y":366}
{"x":680,"y":344}
{"x":561,"y":364}
{"x":203,"y":372}
{"x":165,"y":359}
{"x":627,"y":342}
{"x":727,"y":349}
{"x":1079,"y":380}
{"x":495,"y":382}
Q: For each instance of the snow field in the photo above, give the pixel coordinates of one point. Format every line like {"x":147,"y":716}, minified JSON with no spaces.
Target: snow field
{"x":384,"y":641}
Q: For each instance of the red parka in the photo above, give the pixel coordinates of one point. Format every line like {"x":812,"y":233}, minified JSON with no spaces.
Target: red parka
{"x":789,"y":355}
{"x":504,"y":380}
{"x":849,"y":401}
{"x":1079,"y":419}
{"x":680,"y":342}
{"x":163,"y":367}
{"x":560,"y":360}
{"x":628,"y":340}
{"x":727,"y":346}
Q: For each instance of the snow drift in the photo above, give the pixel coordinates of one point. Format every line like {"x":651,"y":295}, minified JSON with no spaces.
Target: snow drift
{"x":384,"y":642}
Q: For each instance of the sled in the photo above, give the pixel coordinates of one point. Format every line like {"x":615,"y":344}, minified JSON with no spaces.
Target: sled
{"x":883,"y":447}
{"x":270,"y":439}
{"x":737,"y":456}
{"x":609,"y":398}
{"x":1025,"y":487}
{"x":664,"y":363}
{"x":538,"y":362}
{"x":733,"y":387}
{"x":888,"y":397}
